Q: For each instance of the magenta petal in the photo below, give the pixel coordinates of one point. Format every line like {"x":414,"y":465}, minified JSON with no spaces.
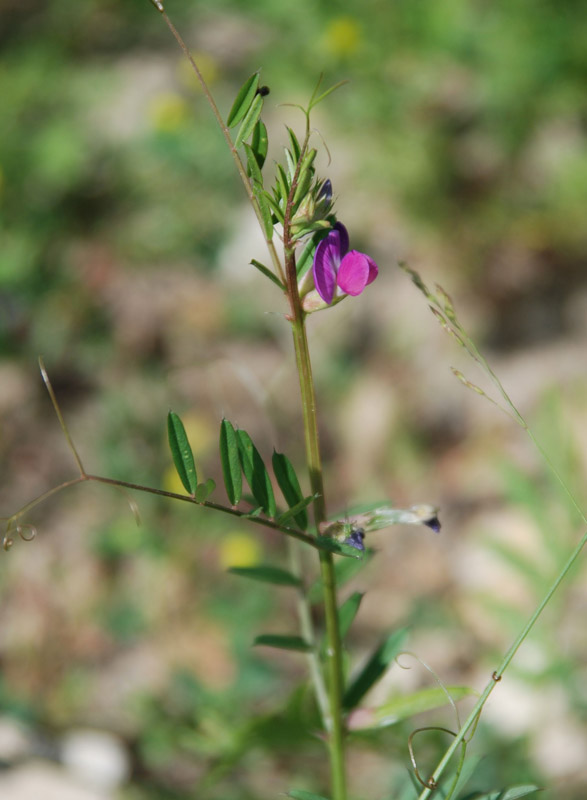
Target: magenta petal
{"x":326,"y":259}
{"x":353,"y":274}
{"x":373,"y":270}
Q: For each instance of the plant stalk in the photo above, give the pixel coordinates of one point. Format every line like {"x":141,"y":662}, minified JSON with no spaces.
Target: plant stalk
{"x":334,"y":721}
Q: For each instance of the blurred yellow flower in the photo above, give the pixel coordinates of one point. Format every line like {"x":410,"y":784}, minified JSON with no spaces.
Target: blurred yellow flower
{"x":239,"y":550}
{"x":207,"y":65}
{"x":172,"y":482}
{"x":342,"y":36}
{"x":202,"y":437}
{"x":168,"y":112}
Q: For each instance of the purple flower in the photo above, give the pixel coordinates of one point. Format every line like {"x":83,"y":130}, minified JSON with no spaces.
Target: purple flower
{"x":335,"y":265}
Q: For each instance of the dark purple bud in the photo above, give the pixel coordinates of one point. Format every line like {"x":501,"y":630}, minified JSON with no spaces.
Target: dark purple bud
{"x":355,"y":539}
{"x":325,"y":192}
{"x":433,"y":523}
{"x":263,"y":91}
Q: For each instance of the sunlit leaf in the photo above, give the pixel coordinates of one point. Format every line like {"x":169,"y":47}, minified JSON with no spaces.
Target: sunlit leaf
{"x":243,"y":101}
{"x":267,"y":574}
{"x":181,"y":452}
{"x":283,"y":642}
{"x":374,"y":668}
{"x":231,"y":465}
{"x":403,"y":707}
{"x":289,"y":484}
{"x":256,"y":473}
{"x":250,"y":120}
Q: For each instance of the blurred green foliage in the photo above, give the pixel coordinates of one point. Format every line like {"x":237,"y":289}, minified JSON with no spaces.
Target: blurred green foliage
{"x":467,"y":125}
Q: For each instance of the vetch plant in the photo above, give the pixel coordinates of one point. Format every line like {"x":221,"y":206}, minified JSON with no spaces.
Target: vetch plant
{"x":311,"y":263}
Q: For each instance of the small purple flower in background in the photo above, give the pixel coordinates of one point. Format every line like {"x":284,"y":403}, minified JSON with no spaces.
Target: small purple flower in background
{"x":335,"y":266}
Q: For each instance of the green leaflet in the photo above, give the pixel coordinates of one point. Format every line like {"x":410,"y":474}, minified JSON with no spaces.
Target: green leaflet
{"x":289,"y":484}
{"x":256,"y":474}
{"x":295,"y":510}
{"x":260,"y":143}
{"x":231,"y":467}
{"x":250,"y":120}
{"x":267,"y":574}
{"x":252,"y":165}
{"x":348,"y":611}
{"x":283,"y":642}
{"x":264,"y":208}
{"x":244,"y":98}
{"x":181,"y":452}
{"x":374,"y":668}
{"x":296,"y":148}
{"x":268,"y":274}
{"x":204,"y":490}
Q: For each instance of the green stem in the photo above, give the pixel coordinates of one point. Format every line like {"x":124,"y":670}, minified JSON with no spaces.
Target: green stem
{"x":497,"y":675}
{"x":308,"y":634}
{"x":334,"y":673}
{"x":226,"y":133}
{"x":334,"y":721}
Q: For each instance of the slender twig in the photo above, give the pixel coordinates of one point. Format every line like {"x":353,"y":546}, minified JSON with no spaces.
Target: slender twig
{"x":226,"y":133}
{"x":471,"y":720}
{"x":64,"y":427}
{"x":309,"y":634}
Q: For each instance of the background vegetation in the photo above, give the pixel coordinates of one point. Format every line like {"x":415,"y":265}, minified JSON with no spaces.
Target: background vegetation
{"x":460,"y":146}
